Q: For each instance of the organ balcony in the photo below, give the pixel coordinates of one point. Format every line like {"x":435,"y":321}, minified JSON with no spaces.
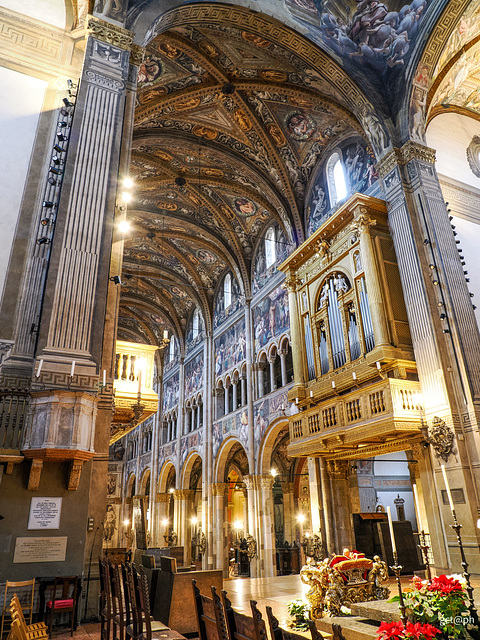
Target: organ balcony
{"x":356,"y":387}
{"x":134,"y":397}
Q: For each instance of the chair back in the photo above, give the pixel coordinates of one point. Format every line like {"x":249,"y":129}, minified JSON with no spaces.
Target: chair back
{"x":242,"y":627}
{"x":210,"y":617}
{"x":277,"y":633}
{"x":64,"y":593}
{"x":28,"y":606}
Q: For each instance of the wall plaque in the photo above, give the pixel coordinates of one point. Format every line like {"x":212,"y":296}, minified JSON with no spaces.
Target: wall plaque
{"x":45,"y":513}
{"x":40,"y":549}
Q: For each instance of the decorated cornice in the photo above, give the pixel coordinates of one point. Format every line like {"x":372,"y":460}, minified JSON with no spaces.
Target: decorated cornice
{"x":137,"y":54}
{"x":109,"y":33}
{"x":411,"y":150}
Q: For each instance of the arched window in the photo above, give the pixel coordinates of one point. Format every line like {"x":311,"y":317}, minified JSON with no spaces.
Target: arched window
{"x":270,"y":253}
{"x":337,"y":184}
{"x":195,"y":323}
{"x":227,"y":290}
{"x":171,"y":353}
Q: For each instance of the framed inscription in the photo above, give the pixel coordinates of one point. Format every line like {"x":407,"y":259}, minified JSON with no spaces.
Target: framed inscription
{"x":40,"y":549}
{"x":45,"y":513}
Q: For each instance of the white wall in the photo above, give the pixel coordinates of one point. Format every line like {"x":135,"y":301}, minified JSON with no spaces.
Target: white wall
{"x":450,"y":134}
{"x":50,"y":11}
{"x":469,"y":236}
{"x":21,"y":100}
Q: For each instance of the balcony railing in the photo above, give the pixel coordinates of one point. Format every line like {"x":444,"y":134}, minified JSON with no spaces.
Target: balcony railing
{"x":378,"y":412}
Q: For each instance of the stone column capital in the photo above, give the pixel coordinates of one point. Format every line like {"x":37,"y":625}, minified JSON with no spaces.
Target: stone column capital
{"x":287,"y":486}
{"x":362,"y":221}
{"x":220,"y":488}
{"x":249,"y":482}
{"x":338,"y":469}
{"x":291,"y":282}
{"x":266,"y":481}
{"x":163,"y":497}
{"x":410,"y":150}
{"x":108,"y":32}
{"x":183,"y":494}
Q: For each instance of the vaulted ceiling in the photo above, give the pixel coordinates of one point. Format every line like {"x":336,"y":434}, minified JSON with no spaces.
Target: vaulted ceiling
{"x":229,"y":129}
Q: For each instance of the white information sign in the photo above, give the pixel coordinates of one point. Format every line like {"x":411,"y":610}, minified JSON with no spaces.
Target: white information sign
{"x":45,"y":513}
{"x":40,"y":549}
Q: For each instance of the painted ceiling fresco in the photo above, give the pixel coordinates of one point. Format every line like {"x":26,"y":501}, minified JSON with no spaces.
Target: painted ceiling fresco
{"x":229,"y":129}
{"x":454,"y":84}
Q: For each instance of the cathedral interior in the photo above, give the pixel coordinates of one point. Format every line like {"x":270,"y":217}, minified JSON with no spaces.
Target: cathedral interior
{"x":239,"y":281}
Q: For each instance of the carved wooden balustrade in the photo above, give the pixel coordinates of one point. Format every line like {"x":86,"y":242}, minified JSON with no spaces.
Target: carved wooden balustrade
{"x":373,"y":417}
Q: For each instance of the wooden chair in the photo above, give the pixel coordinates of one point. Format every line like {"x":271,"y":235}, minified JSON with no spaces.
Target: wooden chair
{"x":242,"y":627}
{"x":142,"y":626}
{"x":277,"y":633}
{"x":66,"y":602}
{"x":105,"y":601}
{"x":25,"y":584}
{"x":19,"y":629}
{"x":118,"y":603}
{"x":210,"y":617}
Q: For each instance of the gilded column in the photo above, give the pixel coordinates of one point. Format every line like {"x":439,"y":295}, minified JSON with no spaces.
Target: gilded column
{"x":362,"y":225}
{"x":339,"y":471}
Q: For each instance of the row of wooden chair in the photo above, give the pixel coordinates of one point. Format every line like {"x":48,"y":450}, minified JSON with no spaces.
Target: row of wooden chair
{"x":125,"y":605}
{"x":19,"y":629}
{"x":217,"y":620}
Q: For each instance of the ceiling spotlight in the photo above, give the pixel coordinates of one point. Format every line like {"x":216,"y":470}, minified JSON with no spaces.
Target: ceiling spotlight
{"x":228,"y":89}
{"x":67,"y":102}
{"x":463,"y":263}
{"x":467,"y":279}
{"x":471,"y":295}
{"x":45,"y":222}
{"x":457,"y":241}
{"x":124,"y":226}
{"x":435,"y":282}
{"x":115,"y":279}
{"x":474,"y":307}
{"x":54,"y":170}
{"x":62,"y":125}
{"x":439,"y":304}
{"x":127,"y":183}
{"x":432,"y":266}
{"x":455,"y":233}
{"x":61,"y":137}
{"x":44,"y":241}
{"x":443,"y":316}
{"x":180,"y":181}
{"x":56,"y":160}
{"x":453,"y":226}
{"x":126,"y":197}
{"x":47,"y":204}
{"x":71,"y":85}
{"x":426,"y":241}
{"x":446,"y":331}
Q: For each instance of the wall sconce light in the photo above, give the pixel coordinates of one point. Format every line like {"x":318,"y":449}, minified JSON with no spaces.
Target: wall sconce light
{"x":273,"y":472}
{"x":432,"y":266}
{"x":67,"y":102}
{"x":56,"y":160}
{"x":124,"y":226}
{"x":115,"y":279}
{"x":127,"y":183}
{"x":426,"y":241}
{"x":435,"y":282}
{"x":48,"y":204}
{"x":61,"y":137}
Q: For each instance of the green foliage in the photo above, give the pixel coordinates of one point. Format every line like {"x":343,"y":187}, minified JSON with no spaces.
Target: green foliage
{"x":299,"y":611}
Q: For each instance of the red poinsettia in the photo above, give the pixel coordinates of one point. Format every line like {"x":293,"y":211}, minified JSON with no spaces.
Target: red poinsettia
{"x":397,"y":631}
{"x":390,"y":630}
{"x":444,"y":584}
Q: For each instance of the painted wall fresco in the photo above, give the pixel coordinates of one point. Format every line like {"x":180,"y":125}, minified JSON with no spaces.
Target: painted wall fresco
{"x":366,"y":32}
{"x":265,"y":411}
{"x":170,"y":392}
{"x":360,"y":175}
{"x":221,"y":314}
{"x":230,"y":348}
{"x":233,"y":425}
{"x":262,"y":275}
{"x":192,"y":441}
{"x":270,"y":317}
{"x":194,"y":375}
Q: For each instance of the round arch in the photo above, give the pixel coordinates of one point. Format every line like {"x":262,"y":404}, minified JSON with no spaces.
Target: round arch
{"x":164,"y":475}
{"x":188,"y":467}
{"x":144,"y":481}
{"x":130,"y":484}
{"x":222,"y":457}
{"x":267,"y":444}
